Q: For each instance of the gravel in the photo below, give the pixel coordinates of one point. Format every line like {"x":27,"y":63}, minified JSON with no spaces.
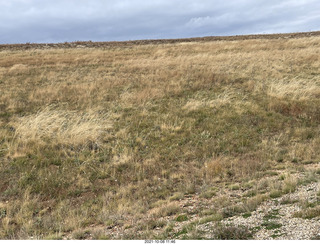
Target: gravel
{"x":291,"y":228}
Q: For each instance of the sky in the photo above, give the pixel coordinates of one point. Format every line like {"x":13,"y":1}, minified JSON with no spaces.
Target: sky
{"x":50,"y":21}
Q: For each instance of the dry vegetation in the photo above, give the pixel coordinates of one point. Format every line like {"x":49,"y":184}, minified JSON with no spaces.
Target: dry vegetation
{"x":114,"y":138}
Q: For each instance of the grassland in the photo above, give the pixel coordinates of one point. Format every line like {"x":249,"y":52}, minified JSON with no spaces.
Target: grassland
{"x":106,"y":143}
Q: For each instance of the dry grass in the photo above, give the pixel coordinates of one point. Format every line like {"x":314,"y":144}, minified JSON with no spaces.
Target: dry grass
{"x":296,"y":89}
{"x":56,"y":128}
{"x":94,"y":137}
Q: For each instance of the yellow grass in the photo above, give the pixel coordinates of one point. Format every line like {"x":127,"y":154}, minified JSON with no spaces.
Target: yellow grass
{"x":54,"y":127}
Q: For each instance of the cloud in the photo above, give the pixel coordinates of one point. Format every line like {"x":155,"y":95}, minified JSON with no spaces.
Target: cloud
{"x":105,"y":20}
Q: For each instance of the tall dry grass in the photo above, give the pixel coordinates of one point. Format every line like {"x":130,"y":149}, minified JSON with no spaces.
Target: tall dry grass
{"x":53,"y":127}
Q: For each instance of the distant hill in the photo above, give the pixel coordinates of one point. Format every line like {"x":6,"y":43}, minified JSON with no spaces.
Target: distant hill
{"x":90,"y":44}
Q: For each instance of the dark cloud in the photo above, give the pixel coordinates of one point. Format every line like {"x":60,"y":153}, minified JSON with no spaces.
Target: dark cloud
{"x":104,"y":20}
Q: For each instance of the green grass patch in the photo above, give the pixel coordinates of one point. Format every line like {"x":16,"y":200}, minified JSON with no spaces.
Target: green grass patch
{"x":270,"y":225}
{"x":246,"y":215}
{"x":182,"y":218}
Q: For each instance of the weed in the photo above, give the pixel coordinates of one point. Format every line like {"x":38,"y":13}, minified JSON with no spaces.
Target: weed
{"x":255,"y":229}
{"x":309,"y":178}
{"x":273,"y":214}
{"x":194,"y":235}
{"x":182,"y":218}
{"x":153,"y":224}
{"x":234,"y":187}
{"x":177,"y":196}
{"x":57,"y":236}
{"x":246,"y":215}
{"x":206,"y":212}
{"x":3,"y":213}
{"x":275,"y":193}
{"x":309,"y":213}
{"x":211,"y":218}
{"x":232,"y":233}
{"x":208,"y":194}
{"x":232,"y":210}
{"x":277,"y":235}
{"x":80,"y":235}
{"x":167,"y":210}
{"x":316,"y":237}
{"x":250,"y":193}
{"x":288,"y":200}
{"x":270,"y":225}
{"x":100,"y":235}
{"x":289,"y":185}
{"x":252,"y":203}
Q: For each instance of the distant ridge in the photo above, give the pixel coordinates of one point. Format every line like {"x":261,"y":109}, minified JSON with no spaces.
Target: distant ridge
{"x":110,"y":44}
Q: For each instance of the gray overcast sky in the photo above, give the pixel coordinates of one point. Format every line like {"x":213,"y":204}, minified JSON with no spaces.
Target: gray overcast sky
{"x":24,"y":21}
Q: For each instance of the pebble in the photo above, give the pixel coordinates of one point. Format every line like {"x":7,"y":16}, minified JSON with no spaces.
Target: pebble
{"x":292,"y":228}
